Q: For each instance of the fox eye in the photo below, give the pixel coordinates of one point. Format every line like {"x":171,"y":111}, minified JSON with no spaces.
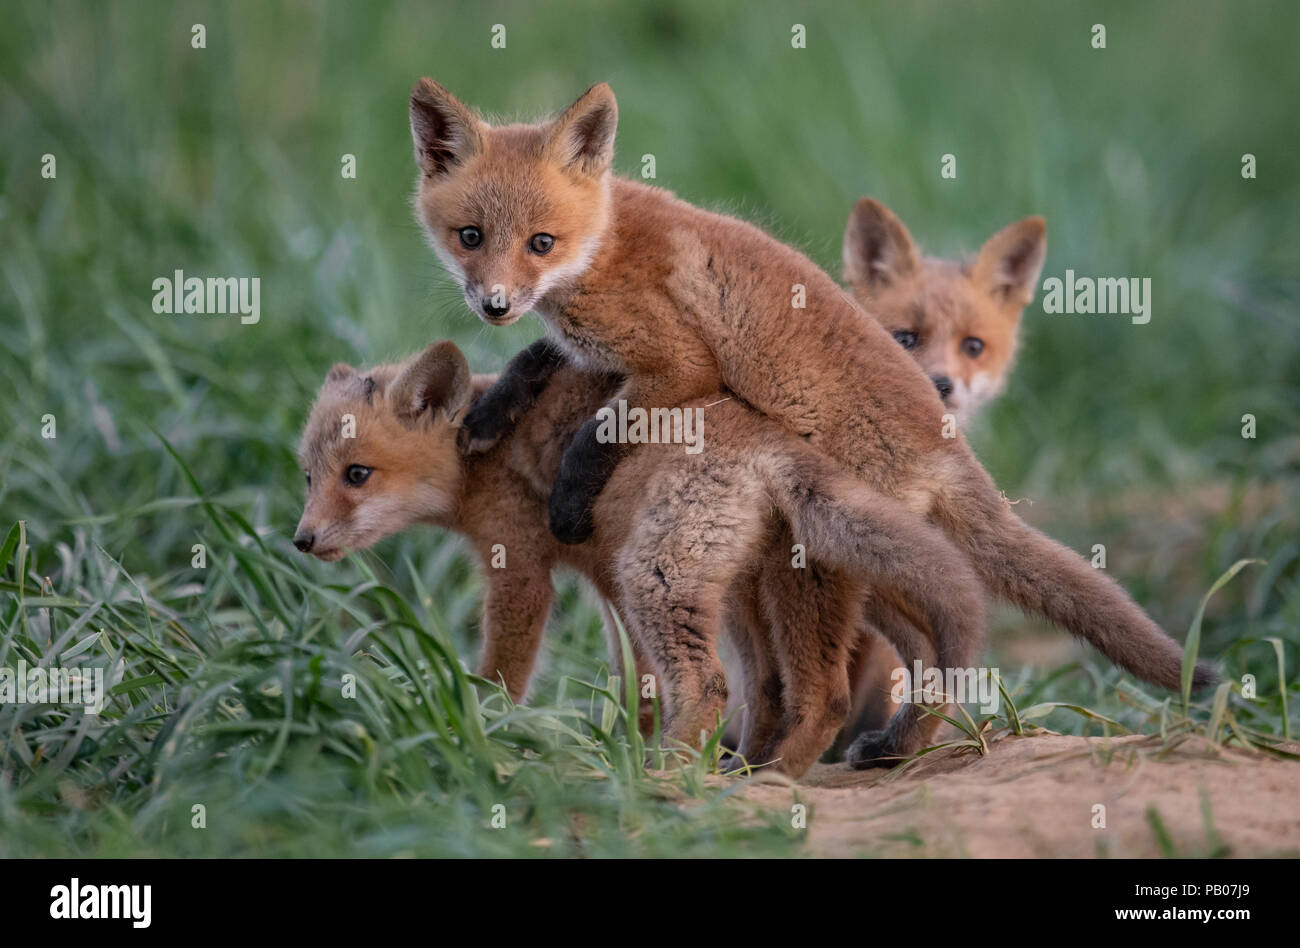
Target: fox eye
{"x":541,"y":243}
{"x":470,"y":237}
{"x":906,"y":338}
{"x":356,"y":474}
{"x":308,"y":474}
{"x":971,"y":346}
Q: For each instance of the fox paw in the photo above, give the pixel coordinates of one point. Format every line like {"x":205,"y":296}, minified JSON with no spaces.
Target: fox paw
{"x":870,"y":749}
{"x":483,"y":426}
{"x":571,"y":519}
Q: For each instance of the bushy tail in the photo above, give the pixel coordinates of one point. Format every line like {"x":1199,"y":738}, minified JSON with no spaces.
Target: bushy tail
{"x":847,"y":526}
{"x":1039,"y":575}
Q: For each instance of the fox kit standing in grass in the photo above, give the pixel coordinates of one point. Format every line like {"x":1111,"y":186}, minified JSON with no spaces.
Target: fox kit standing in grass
{"x":675,"y":531}
{"x":686,"y":303}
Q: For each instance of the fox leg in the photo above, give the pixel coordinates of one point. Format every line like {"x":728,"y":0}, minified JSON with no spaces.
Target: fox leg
{"x":871,"y":672}
{"x":514,"y":617}
{"x":761,"y":677}
{"x":585,"y":467}
{"x":676,"y":616}
{"x":811,"y":612}
{"x":674,"y":575}
{"x":588,"y":462}
{"x":911,"y":727}
{"x":872,"y":667}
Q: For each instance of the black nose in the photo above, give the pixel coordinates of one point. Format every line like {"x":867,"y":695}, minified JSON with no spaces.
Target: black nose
{"x":943,"y":384}
{"x":495,"y":311}
{"x":304,"y":542}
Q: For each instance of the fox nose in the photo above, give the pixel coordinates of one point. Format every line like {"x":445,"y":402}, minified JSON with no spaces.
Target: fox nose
{"x":494,"y":311}
{"x":943,"y":384}
{"x":304,"y":541}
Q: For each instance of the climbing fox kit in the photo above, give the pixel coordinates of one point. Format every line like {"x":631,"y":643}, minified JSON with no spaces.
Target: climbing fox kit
{"x":686,"y":303}
{"x":675,"y":532}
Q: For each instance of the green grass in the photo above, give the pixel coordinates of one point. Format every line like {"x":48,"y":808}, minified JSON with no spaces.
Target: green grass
{"x":226,"y":161}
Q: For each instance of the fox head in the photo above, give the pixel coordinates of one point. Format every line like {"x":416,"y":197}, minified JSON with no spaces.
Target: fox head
{"x":379,"y":450}
{"x":514,"y":210}
{"x":958,"y":320}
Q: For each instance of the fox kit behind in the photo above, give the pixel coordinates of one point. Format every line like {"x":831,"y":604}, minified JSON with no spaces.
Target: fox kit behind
{"x":959,"y":320}
{"x":686,"y":303}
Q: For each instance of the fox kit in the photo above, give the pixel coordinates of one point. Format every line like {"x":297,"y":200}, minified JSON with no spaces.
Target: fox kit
{"x":958,"y":320}
{"x":686,"y":303}
{"x":675,"y":532}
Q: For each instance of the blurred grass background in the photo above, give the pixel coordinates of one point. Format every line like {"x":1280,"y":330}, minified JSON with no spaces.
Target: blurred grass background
{"x":226,"y":161}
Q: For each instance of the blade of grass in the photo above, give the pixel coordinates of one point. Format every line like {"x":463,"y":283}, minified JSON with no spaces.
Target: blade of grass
{"x":1192,"y":647}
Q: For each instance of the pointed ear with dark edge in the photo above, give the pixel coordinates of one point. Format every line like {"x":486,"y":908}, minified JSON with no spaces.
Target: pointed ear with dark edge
{"x":877,"y":247}
{"x":437,"y":379}
{"x":1010,"y":261}
{"x":446,"y":133}
{"x":582,"y":139}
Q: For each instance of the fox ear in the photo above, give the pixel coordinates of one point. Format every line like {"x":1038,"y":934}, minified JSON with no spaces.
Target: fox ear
{"x":339,"y":371}
{"x":582,"y":138}
{"x":438,"y":379}
{"x":877,"y":247}
{"x":1010,"y":261}
{"x":446,"y":133}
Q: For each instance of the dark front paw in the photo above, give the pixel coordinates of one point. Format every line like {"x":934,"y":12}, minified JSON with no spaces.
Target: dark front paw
{"x":586,"y":466}
{"x":871,"y":749}
{"x":515,"y":391}
{"x":483,"y":426}
{"x":571,"y":518}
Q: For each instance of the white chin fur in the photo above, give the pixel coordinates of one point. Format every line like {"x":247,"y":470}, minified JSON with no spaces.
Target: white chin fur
{"x":968,"y":398}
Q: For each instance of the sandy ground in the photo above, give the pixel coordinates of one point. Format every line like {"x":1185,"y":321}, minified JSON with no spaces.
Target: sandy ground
{"x":1035,"y":796}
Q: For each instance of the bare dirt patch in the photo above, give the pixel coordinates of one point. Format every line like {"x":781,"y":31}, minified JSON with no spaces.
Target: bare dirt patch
{"x":1034,"y":796}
